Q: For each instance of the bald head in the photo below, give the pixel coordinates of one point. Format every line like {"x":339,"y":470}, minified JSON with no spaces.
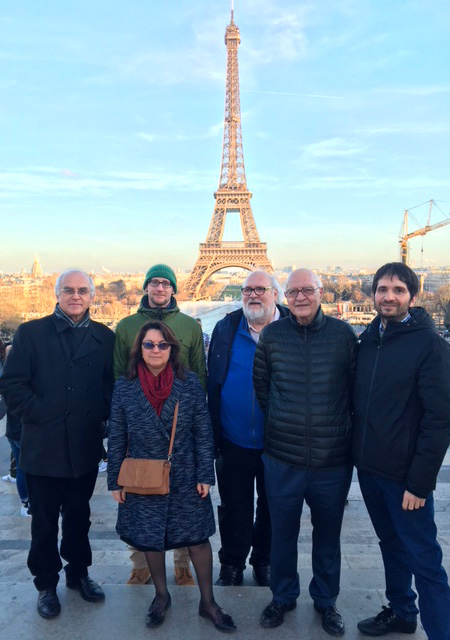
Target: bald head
{"x":303,"y":273}
{"x":304,"y":295}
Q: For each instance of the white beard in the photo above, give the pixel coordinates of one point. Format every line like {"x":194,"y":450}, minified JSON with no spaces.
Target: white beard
{"x":257,"y":313}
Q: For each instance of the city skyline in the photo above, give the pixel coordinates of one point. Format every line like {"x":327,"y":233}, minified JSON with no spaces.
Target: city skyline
{"x":113,"y":121}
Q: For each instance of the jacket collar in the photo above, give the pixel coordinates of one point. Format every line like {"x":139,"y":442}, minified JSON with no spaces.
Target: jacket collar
{"x":419,"y":320}
{"x":317,"y":323}
{"x":163,"y":422}
{"x":145,"y":307}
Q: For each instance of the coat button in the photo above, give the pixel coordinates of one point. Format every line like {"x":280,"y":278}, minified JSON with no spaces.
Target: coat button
{"x":71,"y":365}
{"x":69,"y":388}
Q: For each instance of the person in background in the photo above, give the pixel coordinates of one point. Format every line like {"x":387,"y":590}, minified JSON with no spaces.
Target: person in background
{"x":206,"y":339}
{"x":238,"y":424}
{"x":159,"y":303}
{"x":13,"y":433}
{"x":142,"y":416}
{"x":11,"y":475}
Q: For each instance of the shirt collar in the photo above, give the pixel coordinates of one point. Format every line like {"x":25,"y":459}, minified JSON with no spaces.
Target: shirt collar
{"x":255,"y":333}
{"x":405,"y":319}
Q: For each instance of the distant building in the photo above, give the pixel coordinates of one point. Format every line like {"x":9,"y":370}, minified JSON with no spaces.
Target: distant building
{"x":36,"y":269}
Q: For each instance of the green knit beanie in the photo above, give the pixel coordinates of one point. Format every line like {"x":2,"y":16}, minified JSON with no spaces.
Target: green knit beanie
{"x":161,"y":271}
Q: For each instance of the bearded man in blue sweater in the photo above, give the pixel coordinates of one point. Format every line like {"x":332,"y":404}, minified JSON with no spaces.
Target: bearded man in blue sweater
{"x":238,"y":424}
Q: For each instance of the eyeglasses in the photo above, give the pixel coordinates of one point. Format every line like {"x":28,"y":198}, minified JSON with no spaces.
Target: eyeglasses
{"x":306,"y":291}
{"x":258,"y":291}
{"x":161,"y":346}
{"x":68,"y":291}
{"x":164,"y":283}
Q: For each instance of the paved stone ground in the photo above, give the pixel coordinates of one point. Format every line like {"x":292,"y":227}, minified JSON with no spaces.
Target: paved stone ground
{"x":122,"y":615}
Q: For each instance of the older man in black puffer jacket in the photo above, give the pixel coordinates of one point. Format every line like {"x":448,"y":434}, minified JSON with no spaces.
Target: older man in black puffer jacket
{"x":303,"y":373}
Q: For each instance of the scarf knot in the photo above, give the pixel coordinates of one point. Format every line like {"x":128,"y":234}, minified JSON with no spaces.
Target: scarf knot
{"x":156,"y":388}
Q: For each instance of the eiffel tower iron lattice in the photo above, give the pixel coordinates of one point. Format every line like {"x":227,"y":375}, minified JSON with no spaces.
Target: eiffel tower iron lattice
{"x":232,"y":194}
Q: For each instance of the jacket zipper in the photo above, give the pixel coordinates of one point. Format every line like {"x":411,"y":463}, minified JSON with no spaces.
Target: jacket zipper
{"x":308,"y":400}
{"x":369,"y":395}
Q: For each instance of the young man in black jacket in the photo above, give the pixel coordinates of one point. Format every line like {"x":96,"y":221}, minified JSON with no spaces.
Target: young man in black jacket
{"x":401,"y":435}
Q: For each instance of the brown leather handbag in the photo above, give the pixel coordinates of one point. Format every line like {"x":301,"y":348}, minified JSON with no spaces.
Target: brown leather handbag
{"x":148,"y":477}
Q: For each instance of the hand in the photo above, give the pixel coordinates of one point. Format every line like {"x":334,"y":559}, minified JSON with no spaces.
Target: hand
{"x":411,"y":502}
{"x":119,"y":495}
{"x":203,"y":489}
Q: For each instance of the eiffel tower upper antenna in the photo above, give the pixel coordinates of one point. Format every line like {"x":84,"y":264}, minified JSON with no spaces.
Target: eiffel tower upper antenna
{"x":232,"y":10}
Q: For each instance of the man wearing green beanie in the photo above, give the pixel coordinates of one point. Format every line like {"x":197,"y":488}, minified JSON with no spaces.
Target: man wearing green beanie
{"x":158,"y":303}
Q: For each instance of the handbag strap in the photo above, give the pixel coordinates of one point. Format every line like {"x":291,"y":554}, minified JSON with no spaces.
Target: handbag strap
{"x":174,"y":428}
{"x":172,"y":436}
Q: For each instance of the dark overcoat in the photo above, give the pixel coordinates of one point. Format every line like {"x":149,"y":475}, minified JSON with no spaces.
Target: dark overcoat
{"x":181,"y":518}
{"x":60,"y":398}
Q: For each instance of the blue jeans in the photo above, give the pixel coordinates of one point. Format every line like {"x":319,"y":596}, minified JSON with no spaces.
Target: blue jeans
{"x":325,"y":493}
{"x":409,"y":547}
{"x":21,"y":483}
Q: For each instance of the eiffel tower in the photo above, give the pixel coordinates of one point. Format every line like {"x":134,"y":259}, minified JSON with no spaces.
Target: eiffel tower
{"x":232,"y":194}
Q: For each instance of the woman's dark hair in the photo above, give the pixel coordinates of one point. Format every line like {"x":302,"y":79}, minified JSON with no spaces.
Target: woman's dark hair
{"x":403,"y":273}
{"x":2,"y":351}
{"x":169,"y":336}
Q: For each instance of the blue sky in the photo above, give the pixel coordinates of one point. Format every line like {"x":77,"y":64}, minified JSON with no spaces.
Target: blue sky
{"x":111,"y":128}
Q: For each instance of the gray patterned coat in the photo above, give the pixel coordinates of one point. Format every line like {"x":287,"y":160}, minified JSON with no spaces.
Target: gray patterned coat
{"x":182,"y":517}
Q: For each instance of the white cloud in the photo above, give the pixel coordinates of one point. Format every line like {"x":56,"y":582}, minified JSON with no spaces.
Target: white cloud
{"x":408,"y":129}
{"x":333,"y":147}
{"x":373,"y":183}
{"x":149,"y":137}
{"x":45,"y":181}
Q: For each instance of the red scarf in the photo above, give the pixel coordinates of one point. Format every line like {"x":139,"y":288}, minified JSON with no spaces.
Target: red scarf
{"x":156,"y":388}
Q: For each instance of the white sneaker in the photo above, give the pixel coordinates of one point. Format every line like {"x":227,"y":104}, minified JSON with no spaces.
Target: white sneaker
{"x":102,"y":466}
{"x":25,"y":510}
{"x":9,"y":478}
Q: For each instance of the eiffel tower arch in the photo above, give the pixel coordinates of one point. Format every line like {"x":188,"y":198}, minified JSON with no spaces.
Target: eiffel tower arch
{"x":232,"y":194}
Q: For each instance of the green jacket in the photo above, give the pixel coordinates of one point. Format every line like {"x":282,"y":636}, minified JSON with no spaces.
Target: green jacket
{"x":186,"y":329}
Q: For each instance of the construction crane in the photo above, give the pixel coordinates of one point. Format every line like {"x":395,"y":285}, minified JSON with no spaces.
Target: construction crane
{"x":404,"y":236}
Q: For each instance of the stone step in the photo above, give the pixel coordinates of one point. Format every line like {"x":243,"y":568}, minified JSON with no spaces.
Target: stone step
{"x":122,"y":615}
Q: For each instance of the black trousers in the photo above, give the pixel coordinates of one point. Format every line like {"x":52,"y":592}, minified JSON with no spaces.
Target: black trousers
{"x":48,"y":498}
{"x":240,"y":529}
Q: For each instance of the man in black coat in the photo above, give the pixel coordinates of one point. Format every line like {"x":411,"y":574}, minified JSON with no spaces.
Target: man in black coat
{"x":402,"y":432}
{"x":303,"y":373}
{"x":58,"y":381}
{"x":238,"y":424}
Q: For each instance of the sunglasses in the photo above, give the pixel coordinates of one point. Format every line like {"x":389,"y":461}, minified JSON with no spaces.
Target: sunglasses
{"x":161,"y":346}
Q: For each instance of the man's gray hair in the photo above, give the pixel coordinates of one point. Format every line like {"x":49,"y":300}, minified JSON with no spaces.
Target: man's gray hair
{"x":273,"y":281}
{"x":69,"y":272}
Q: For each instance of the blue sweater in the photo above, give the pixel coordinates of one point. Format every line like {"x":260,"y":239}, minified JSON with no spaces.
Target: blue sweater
{"x":240,"y":415}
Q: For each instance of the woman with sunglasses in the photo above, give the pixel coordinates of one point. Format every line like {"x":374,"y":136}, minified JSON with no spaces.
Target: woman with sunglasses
{"x":141,"y":421}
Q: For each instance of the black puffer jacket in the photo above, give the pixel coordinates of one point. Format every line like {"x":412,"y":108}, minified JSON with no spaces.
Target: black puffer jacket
{"x":303,"y":378}
{"x":402,"y":402}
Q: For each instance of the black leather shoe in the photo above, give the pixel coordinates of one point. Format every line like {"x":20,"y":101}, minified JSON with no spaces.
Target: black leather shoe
{"x":89,"y":590}
{"x":386,"y":622}
{"x":157,"y":613}
{"x":220,"y":619}
{"x":229,"y":576}
{"x":331,"y":620}
{"x":48,"y":604}
{"x":273,"y":614}
{"x":261,"y":574}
